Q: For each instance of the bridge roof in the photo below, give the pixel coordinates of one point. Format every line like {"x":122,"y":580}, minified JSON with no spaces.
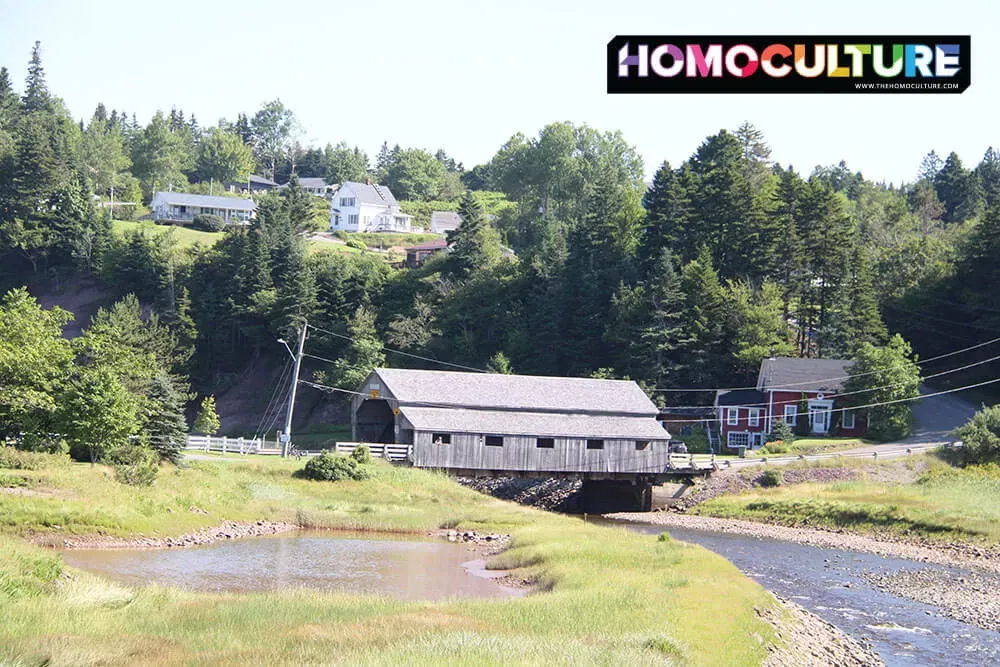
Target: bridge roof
{"x":506,"y":422}
{"x":530,"y":393}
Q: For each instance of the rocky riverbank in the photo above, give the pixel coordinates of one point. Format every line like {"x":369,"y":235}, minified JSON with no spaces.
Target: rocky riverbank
{"x":951,"y":555}
{"x":228,"y":530}
{"x":555,"y":495}
{"x":809,"y":640}
{"x":968,"y":598}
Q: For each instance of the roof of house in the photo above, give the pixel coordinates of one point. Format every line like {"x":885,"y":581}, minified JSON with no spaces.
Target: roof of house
{"x":311,"y":182}
{"x":209,"y":201}
{"x":261,"y":180}
{"x":436,"y":244}
{"x":531,"y":393}
{"x":803,"y":374}
{"x":686,"y":411}
{"x":741,"y":397}
{"x":369,"y":193}
{"x":442,"y":221}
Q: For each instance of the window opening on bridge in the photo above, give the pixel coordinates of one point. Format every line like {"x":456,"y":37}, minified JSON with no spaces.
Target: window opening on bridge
{"x":494,"y":441}
{"x":595,"y":444}
{"x":545,"y":443}
{"x":641,"y":444}
{"x":441,"y":438}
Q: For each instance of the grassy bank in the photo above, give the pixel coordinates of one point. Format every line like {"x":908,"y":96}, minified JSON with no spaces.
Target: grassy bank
{"x":611,"y":596}
{"x":811,"y":446}
{"x":943,"y":504}
{"x":185,"y":236}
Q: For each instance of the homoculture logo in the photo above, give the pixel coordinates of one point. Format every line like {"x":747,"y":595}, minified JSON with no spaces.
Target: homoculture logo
{"x":784,"y":64}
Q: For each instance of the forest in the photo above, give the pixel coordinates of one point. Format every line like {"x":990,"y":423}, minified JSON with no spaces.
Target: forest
{"x":567,"y":262}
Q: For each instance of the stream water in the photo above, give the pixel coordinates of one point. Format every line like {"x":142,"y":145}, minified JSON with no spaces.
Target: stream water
{"x":829,"y":583}
{"x":407,"y":569}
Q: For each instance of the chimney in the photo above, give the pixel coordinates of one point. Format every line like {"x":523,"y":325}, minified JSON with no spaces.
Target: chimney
{"x":368,"y":180}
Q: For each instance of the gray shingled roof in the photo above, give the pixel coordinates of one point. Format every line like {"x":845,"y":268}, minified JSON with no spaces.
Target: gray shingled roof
{"x":529,"y":393}
{"x":803,"y":374}
{"x":372,"y":194}
{"x":533,"y":423}
{"x":310,"y":182}
{"x":188,"y":199}
{"x":443,"y":221}
{"x":261,"y":180}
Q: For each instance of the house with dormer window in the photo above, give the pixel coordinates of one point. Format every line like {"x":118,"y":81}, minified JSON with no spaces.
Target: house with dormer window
{"x":366,"y":207}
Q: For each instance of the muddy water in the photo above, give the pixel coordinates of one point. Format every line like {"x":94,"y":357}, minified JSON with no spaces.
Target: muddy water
{"x":829,"y":583}
{"x":407,"y":569}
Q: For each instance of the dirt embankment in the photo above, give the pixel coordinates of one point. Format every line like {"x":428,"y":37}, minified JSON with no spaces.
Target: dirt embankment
{"x":556,"y":495}
{"x":228,"y":530}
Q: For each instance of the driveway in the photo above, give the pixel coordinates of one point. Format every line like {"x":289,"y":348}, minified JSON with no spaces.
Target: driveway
{"x":934,"y":418}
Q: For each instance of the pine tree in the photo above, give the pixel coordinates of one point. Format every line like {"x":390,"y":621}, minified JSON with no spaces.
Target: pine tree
{"x":988,"y":174}
{"x":957,"y":189}
{"x":296,"y":298}
{"x":862,"y":321}
{"x":166,"y":425}
{"x":36,"y":92}
{"x":475,"y":244}
{"x":664,"y":340}
{"x":667,"y":210}
{"x":703,"y":298}
{"x":207,"y":421}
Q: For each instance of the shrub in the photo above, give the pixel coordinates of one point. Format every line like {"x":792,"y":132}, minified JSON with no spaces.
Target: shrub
{"x":356,"y":243}
{"x":980,"y":438}
{"x":362,"y":454}
{"x":331,"y":467}
{"x":776,"y":447}
{"x":781,"y":432}
{"x":771,"y":478}
{"x":207,"y":222}
{"x":135,"y":465}
{"x":43,"y":442}
{"x":16,"y":459}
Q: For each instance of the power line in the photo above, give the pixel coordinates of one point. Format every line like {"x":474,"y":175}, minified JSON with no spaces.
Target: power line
{"x":405,"y":354}
{"x":843,"y":377}
{"x":271,"y":401}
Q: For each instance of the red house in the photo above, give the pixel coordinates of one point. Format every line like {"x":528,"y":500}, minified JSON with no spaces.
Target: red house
{"x":783,"y":384}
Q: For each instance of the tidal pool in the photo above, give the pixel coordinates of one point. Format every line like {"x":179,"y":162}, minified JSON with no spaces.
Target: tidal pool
{"x":402,"y":568}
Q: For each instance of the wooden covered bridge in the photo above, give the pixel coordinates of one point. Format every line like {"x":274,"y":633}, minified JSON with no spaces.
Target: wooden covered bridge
{"x":603,"y":432}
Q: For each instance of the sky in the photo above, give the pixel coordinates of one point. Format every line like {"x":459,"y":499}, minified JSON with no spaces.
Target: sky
{"x":465,"y":76}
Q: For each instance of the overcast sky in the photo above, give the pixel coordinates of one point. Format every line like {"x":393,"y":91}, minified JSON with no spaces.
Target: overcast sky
{"x":464,"y":76}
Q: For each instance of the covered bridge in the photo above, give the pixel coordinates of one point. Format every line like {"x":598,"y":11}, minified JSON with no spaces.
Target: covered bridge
{"x":478,"y":423}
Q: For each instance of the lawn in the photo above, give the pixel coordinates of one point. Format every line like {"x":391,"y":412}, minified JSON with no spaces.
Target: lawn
{"x":810,"y":446}
{"x":605,"y":595}
{"x":390,"y":239}
{"x":944,"y":504}
{"x":186,"y":237}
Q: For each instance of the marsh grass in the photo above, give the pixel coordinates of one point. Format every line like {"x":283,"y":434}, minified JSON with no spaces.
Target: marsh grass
{"x":607,"y":595}
{"x":944,"y":504}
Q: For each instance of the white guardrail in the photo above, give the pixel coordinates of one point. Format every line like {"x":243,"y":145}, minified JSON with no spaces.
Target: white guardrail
{"x":226,"y":445}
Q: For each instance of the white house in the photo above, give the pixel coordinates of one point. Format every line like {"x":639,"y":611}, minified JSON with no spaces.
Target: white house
{"x":443,"y":222}
{"x":364,"y":207}
{"x":315,"y":186}
{"x":183,"y":206}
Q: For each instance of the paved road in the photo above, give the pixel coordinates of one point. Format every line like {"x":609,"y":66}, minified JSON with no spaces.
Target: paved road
{"x":934,"y":418}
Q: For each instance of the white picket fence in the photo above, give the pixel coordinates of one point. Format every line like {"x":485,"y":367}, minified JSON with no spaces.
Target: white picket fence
{"x":227,"y":445}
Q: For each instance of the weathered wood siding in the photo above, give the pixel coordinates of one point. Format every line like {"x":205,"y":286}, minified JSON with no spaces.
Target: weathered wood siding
{"x":520,"y":453}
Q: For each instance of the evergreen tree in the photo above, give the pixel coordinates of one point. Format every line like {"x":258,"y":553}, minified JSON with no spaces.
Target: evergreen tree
{"x":860,"y":316}
{"x":703,"y":298}
{"x":667,"y":210}
{"x":499,"y":363}
{"x":36,"y":92}
{"x":988,"y":175}
{"x":207,"y":421}
{"x":957,"y":189}
{"x":165,"y":424}
{"x":364,"y":354}
{"x":664,"y":339}
{"x":475,"y":244}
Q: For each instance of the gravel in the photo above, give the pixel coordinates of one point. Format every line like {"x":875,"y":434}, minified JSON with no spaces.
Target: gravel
{"x":809,"y":640}
{"x":969,"y":597}
{"x":557,"y":495}
{"x":229,"y":530}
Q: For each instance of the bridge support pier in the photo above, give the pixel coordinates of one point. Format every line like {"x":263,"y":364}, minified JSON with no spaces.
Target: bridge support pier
{"x":604,"y":496}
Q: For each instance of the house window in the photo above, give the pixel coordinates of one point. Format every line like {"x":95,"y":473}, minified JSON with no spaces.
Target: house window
{"x":732,"y":416}
{"x":641,"y":445}
{"x":352,"y":220}
{"x":738,"y":440}
{"x":595,"y":444}
{"x":545,"y":443}
{"x":347,"y":201}
{"x":754,"y":417}
{"x":791,"y":414}
{"x":441,"y":438}
{"x":849,"y":418}
{"x":494,"y":441}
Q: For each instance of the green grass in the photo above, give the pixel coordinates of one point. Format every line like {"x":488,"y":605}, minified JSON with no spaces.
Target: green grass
{"x":389,"y":239}
{"x":186,"y":237}
{"x":945,"y":504}
{"x":610,"y":596}
{"x":810,"y":446}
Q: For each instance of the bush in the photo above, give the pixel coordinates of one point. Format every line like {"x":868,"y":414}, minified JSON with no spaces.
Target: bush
{"x":771,"y":479}
{"x":17,"y":459}
{"x":362,"y":454}
{"x":135,"y":465}
{"x":776,"y":447}
{"x":980,"y":438}
{"x":207,"y":222}
{"x":356,"y":243}
{"x":781,"y":432}
{"x":330,"y":467}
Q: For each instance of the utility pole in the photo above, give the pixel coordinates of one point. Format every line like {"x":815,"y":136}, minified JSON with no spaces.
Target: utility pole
{"x":287,"y":436}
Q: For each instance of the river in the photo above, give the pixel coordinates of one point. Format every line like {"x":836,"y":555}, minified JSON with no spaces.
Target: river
{"x":830,"y":583}
{"x":410,"y":569}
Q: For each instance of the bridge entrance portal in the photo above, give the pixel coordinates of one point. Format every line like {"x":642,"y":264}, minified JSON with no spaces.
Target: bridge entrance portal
{"x":375,"y":422}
